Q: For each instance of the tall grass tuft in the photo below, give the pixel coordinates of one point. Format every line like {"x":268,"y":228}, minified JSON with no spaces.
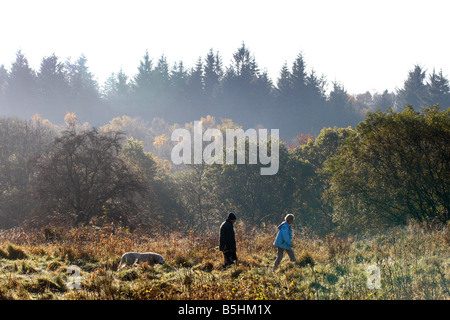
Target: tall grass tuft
{"x":413,"y":263}
{"x":15,"y":253}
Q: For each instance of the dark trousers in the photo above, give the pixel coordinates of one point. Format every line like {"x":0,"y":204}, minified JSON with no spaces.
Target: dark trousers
{"x":280,"y":252}
{"x":229,"y":257}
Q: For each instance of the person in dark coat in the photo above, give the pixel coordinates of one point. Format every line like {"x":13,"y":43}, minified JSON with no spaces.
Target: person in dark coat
{"x":227,"y":243}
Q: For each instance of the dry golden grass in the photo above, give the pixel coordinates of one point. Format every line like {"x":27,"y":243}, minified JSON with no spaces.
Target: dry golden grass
{"x":414,"y":263}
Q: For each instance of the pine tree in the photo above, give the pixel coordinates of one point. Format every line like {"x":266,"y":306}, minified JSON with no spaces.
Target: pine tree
{"x":284,"y":85}
{"x":178,"y":78}
{"x":340,"y":107}
{"x":315,"y":96}
{"x":143,"y":87}
{"x":263,"y":97}
{"x":244,"y":64}
{"x":21,"y":92}
{"x":338,"y":96}
{"x":364,"y":100}
{"x":3,"y":84}
{"x":298,"y":80}
{"x":143,"y":81}
{"x":438,"y":90}
{"x":414,"y":91}
{"x":161,"y":76}
{"x":122,"y":85}
{"x":178,"y":83}
{"x":85,"y":95}
{"x":81,"y":80}
{"x":53,"y":89}
{"x":195,"y":87}
{"x":213,"y":74}
{"x":383,"y":101}
{"x":161,"y":88}
{"x":239,"y":88}
{"x":117,"y":92}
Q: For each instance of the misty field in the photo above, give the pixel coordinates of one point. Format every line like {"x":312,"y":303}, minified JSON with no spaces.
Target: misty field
{"x":413,"y":261}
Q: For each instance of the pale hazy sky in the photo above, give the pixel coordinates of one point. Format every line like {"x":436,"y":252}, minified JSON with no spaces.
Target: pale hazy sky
{"x":365,"y":44}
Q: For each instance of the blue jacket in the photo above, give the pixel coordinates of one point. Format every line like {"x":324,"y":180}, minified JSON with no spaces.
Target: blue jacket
{"x":284,"y":236}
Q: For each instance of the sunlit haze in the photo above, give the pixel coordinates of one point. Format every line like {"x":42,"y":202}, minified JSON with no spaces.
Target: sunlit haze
{"x":365,"y":45}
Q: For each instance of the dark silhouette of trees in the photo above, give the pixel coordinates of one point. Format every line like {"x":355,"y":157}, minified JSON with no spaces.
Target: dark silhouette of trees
{"x":419,"y":92}
{"x":213,"y":73}
{"x":117,"y":93}
{"x":84,"y":93}
{"x":178,"y":82}
{"x":301,"y":95}
{"x":414,"y":90}
{"x":438,"y":90}
{"x":54,"y":90}
{"x":20,"y":142}
{"x":315,"y":91}
{"x":3,"y":84}
{"x":195,"y":91}
{"x":383,"y":101}
{"x":284,"y":87}
{"x":341,"y":111}
{"x":389,"y":168}
{"x":83,"y":177}
{"x":298,"y":82}
{"x":144,"y":78}
{"x":21,"y":90}
{"x":239,"y":83}
{"x":161,"y":88}
{"x":57,"y":88}
{"x":296,"y":102}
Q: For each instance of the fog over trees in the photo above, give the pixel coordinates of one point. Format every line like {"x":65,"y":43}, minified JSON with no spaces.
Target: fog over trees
{"x":75,"y":151}
{"x":298,"y":101}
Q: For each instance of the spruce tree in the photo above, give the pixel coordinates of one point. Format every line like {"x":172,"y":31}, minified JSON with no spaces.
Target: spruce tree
{"x":438,"y":90}
{"x":21,"y":92}
{"x":213,"y":72}
{"x":3,"y":84}
{"x":53,"y":88}
{"x":284,"y":85}
{"x":414,"y":91}
{"x":298,"y":81}
{"x":383,"y":101}
{"x":144,"y":78}
{"x":85,"y":99}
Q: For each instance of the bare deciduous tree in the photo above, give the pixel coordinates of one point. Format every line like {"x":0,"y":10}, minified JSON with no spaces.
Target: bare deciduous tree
{"x":83,"y":177}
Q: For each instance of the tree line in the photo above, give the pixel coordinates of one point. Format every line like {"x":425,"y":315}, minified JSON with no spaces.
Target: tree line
{"x":391,"y":168}
{"x":298,"y":101}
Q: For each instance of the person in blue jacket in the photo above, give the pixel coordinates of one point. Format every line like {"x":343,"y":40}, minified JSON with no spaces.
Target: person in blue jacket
{"x":283,"y":241}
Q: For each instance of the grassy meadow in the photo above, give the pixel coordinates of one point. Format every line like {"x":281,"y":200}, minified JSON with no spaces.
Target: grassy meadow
{"x":413,"y":261}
